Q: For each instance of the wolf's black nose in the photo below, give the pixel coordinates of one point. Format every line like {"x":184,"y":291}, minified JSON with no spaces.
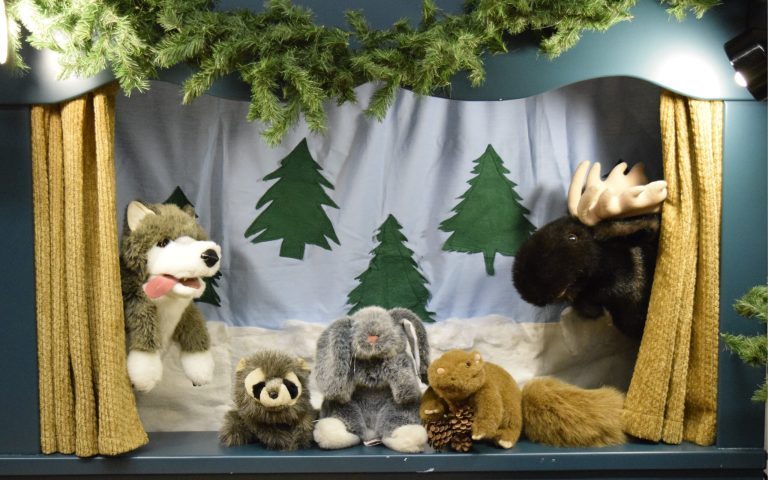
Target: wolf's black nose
{"x":210,"y":257}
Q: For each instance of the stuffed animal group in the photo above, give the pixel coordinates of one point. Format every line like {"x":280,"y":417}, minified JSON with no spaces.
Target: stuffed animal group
{"x":370,"y":365}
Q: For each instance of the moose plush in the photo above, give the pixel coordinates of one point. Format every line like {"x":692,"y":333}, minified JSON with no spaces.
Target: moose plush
{"x":603,"y":255}
{"x":368,"y":367}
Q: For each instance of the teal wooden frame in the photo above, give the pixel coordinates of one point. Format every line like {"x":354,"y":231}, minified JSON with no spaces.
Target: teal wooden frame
{"x":634,"y":49}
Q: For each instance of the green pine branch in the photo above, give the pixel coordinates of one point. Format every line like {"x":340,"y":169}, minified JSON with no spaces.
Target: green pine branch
{"x":294,"y":66}
{"x":753,"y":350}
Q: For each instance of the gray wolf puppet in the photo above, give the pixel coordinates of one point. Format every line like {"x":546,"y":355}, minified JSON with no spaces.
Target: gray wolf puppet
{"x":164,"y":256}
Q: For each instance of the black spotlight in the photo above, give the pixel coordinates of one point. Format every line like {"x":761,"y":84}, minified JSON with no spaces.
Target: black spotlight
{"x":746,"y":51}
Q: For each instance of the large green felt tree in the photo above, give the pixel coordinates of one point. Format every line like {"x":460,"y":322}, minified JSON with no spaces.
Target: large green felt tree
{"x":490,"y":218}
{"x":295,"y":212}
{"x":392,"y":278}
{"x":179,"y":198}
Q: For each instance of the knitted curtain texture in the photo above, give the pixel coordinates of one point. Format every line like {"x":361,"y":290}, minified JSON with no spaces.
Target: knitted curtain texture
{"x":673,"y":393}
{"x":87,"y":406}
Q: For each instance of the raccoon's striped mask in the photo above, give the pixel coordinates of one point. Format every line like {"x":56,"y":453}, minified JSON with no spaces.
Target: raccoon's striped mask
{"x":273,"y":392}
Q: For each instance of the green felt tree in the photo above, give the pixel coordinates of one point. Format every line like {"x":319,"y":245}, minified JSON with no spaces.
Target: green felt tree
{"x":753,"y":350}
{"x":179,"y":198}
{"x":490,"y":218}
{"x":392,"y":278}
{"x":295,"y":212}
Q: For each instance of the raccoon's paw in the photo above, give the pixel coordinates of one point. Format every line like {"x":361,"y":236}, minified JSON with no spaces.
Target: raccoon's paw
{"x":198,"y":366}
{"x":145,"y":369}
{"x":331,"y":433}
{"x":407,"y":438}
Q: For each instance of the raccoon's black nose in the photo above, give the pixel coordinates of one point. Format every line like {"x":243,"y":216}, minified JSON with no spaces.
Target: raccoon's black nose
{"x":273,"y":395}
{"x":210,"y":257}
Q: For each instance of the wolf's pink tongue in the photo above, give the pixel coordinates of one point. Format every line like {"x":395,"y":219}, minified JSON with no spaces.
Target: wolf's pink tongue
{"x":159,"y":285}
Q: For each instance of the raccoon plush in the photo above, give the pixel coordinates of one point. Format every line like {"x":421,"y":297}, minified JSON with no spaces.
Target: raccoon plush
{"x":272,"y":407}
{"x":164,"y":255}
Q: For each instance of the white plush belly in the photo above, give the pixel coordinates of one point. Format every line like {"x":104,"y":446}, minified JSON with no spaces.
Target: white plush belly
{"x":169,"y":311}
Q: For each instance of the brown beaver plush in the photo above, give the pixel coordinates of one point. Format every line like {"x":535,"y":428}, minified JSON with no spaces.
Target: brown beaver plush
{"x":549,"y":410}
{"x":459,"y":379}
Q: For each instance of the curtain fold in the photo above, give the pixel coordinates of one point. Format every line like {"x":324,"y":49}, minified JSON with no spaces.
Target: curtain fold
{"x":673,"y":393}
{"x":87,"y":406}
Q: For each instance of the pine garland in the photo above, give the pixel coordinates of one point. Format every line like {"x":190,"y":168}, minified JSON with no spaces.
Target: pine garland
{"x":753,"y":350}
{"x":294,"y":66}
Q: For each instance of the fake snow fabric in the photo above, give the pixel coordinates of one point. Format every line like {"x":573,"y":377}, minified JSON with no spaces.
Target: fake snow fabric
{"x":418,"y":168}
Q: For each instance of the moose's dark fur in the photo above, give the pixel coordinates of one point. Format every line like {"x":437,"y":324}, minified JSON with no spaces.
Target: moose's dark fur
{"x":609,"y":266}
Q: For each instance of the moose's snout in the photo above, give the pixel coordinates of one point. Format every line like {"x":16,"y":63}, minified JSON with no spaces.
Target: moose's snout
{"x":210,"y":257}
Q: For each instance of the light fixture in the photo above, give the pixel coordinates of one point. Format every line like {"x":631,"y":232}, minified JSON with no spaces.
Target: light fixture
{"x":3,"y":33}
{"x":747,"y":51}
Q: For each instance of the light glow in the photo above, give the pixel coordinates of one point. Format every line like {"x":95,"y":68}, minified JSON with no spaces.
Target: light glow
{"x":739,"y":79}
{"x":3,"y":33}
{"x":690,"y":72}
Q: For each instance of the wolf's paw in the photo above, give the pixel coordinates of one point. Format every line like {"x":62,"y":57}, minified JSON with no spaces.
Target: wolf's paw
{"x":408,"y":438}
{"x":198,"y":366}
{"x":145,"y":369}
{"x":331,"y":433}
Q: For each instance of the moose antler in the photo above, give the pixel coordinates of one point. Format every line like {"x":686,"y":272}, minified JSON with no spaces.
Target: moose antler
{"x":619,"y":195}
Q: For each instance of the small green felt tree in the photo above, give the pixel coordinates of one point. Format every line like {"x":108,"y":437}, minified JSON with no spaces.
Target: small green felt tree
{"x":753,"y":350}
{"x":490,"y":218}
{"x":392,"y":278}
{"x":295,"y":212}
{"x":179,"y":198}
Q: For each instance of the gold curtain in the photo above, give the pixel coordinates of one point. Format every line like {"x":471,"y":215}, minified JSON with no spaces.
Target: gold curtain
{"x":673,"y":393}
{"x":87,"y":405}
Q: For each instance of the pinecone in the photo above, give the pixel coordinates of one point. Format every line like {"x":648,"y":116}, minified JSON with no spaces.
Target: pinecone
{"x":454,"y":430}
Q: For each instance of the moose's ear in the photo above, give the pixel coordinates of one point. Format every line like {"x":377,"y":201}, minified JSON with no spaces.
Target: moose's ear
{"x":136,"y":213}
{"x":628,"y":227}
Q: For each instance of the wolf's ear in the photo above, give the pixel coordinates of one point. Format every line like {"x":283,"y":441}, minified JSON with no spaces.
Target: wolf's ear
{"x":189,"y":210}
{"x":136,"y":213}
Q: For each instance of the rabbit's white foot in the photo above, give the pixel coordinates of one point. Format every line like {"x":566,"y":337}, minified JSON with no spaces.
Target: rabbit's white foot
{"x":408,"y":438}
{"x":331,"y":433}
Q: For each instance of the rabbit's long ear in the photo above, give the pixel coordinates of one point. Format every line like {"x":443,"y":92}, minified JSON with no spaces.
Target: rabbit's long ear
{"x":644,"y":226}
{"x":416,"y":335}
{"x":333,"y":359}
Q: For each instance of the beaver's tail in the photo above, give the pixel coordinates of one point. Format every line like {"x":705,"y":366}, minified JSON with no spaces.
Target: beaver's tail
{"x":560,"y":414}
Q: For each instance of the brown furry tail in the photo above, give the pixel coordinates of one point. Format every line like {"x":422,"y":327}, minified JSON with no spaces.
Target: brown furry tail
{"x":563,"y":415}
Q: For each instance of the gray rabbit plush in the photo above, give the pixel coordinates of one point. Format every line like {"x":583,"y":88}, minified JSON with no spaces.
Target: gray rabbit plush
{"x":368,"y":367}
